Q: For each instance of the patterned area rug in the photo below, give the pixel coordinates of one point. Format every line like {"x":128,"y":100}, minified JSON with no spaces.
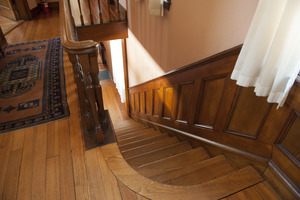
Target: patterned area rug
{"x":32,"y":85}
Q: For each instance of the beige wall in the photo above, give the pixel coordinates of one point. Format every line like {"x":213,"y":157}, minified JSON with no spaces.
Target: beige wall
{"x":187,"y":33}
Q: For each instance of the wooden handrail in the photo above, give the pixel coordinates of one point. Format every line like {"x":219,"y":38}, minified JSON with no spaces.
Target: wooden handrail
{"x":83,"y":56}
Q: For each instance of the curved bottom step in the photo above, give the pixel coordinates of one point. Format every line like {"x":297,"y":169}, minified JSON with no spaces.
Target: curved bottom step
{"x":215,"y":189}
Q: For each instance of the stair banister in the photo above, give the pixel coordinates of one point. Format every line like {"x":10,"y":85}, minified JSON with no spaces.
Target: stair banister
{"x":83,"y":56}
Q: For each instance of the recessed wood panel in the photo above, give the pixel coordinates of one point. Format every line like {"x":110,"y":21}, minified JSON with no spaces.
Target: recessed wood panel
{"x":209,"y":101}
{"x":185,"y":97}
{"x":249,"y":113}
{"x":292,"y":140}
{"x":157,"y":102}
{"x":131,"y":102}
{"x":148,"y":102}
{"x":142,"y":102}
{"x":136,"y":102}
{"x":168,"y":100}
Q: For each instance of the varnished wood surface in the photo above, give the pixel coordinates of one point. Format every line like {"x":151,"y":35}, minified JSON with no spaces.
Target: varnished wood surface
{"x":8,"y":24}
{"x":201,"y":102}
{"x":90,"y":12}
{"x":221,"y":186}
{"x":48,"y":161}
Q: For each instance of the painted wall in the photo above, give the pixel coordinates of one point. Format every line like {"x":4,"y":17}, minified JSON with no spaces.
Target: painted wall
{"x":123,"y":3}
{"x":187,"y":33}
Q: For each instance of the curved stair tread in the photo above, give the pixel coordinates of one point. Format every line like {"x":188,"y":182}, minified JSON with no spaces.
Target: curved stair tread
{"x":129,"y":130}
{"x":141,"y":136}
{"x":135,"y":134}
{"x":142,"y":142}
{"x":214,"y":189}
{"x":149,"y":147}
{"x":159,"y":154}
{"x":197,"y":173}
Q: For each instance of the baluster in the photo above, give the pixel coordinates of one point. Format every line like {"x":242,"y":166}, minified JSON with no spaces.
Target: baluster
{"x":95,"y":80}
{"x":91,"y":15}
{"x":80,"y":11}
{"x":89,"y":62}
{"x":86,"y":115}
{"x":108,"y":8}
{"x":118,"y":4}
{"x":100,"y":12}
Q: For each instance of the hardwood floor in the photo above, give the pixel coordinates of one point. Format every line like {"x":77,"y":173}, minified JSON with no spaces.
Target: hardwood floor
{"x":49,"y":161}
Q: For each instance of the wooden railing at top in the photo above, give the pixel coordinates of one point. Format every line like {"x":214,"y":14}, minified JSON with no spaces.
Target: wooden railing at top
{"x":83,"y":56}
{"x":89,"y":12}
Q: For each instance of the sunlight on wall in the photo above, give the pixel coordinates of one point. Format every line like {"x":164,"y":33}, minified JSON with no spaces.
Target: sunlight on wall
{"x":142,"y":66}
{"x":117,"y":67}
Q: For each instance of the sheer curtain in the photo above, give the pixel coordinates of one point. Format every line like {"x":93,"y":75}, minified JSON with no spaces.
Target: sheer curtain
{"x":270,"y":57}
{"x":117,"y":67}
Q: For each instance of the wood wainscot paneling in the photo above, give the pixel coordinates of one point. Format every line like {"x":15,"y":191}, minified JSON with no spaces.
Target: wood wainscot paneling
{"x":199,"y":99}
{"x":202,"y":104}
{"x":248,"y":113}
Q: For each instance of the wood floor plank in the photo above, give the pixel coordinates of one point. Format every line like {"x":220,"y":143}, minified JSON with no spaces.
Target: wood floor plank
{"x":52,"y":139}
{"x":52,"y":179}
{"x":96,"y":183}
{"x":25,"y":181}
{"x":5,"y":147}
{"x":112,"y":102}
{"x":67,"y":187}
{"x":39,"y":165}
{"x":14,"y":163}
{"x":77,"y":145}
{"x":110,"y":182}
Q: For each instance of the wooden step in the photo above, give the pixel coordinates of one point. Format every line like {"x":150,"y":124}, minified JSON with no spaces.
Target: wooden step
{"x":139,"y":137}
{"x":149,"y":147}
{"x":260,"y":191}
{"x":135,"y":133}
{"x":126,"y":123}
{"x":127,"y":131}
{"x":266,"y":191}
{"x":218,"y":188}
{"x":184,"y":159}
{"x":197,"y":173}
{"x":159,"y":154}
{"x":142,"y":142}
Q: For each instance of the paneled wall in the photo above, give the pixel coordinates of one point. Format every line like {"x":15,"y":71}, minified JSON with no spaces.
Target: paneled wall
{"x":202,"y":100}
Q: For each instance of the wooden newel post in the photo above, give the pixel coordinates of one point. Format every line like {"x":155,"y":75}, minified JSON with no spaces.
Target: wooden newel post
{"x":86,"y":73}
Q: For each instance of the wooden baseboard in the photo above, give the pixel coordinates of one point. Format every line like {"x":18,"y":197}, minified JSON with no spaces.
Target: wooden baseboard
{"x":281,"y":182}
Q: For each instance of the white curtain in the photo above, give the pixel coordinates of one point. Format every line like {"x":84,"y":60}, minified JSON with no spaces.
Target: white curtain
{"x":118,"y":67}
{"x":270,"y":57}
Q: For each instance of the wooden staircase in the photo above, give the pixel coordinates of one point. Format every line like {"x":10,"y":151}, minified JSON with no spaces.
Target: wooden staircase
{"x":159,"y":166}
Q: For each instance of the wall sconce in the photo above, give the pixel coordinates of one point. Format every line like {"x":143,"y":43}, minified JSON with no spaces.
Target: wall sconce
{"x":167,"y":4}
